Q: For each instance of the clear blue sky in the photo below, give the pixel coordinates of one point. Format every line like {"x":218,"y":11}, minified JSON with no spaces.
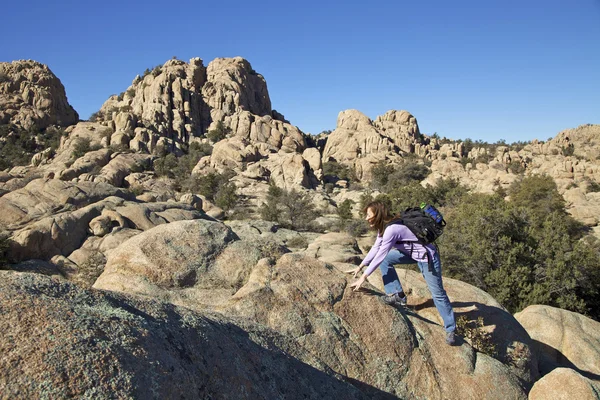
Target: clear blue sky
{"x":488,"y":70}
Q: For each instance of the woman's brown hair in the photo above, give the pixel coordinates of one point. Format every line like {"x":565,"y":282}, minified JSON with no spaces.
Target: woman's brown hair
{"x":381,"y":215}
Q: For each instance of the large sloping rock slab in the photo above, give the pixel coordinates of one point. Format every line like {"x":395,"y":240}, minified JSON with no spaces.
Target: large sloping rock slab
{"x":402,"y":354}
{"x":513,"y":345}
{"x":62,"y":341}
{"x":563,"y":339}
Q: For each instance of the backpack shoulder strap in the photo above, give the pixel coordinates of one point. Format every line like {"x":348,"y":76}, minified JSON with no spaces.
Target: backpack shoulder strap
{"x":395,"y":221}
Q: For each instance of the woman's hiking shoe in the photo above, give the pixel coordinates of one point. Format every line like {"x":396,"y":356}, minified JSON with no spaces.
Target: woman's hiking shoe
{"x":394,"y":299}
{"x":450,"y":338}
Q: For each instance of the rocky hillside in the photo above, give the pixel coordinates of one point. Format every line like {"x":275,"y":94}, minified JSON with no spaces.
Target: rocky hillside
{"x":129,"y":273}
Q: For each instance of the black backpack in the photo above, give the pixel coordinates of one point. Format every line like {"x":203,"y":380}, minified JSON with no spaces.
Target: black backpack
{"x":426,"y":222}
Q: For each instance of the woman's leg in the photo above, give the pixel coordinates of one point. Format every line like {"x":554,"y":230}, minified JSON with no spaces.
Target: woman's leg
{"x":433,"y":278}
{"x":391,"y":283}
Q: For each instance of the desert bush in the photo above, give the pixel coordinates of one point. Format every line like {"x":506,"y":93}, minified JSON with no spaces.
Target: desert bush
{"x":198,"y":150}
{"x":225,"y":196}
{"x":332,"y":170}
{"x":181,"y":168}
{"x":356,"y":227}
{"x":480,"y":339}
{"x":483,"y":234}
{"x":156,"y":71}
{"x":136,"y":189}
{"x":388,"y":177}
{"x":344,"y":210}
{"x":240,"y":213}
{"x":484,"y":158}
{"x":464,"y":161}
{"x":516,"y":167}
{"x":446,"y":192}
{"x":499,"y":190}
{"x":81,"y":146}
{"x":51,"y":137}
{"x":568,"y":150}
{"x":524,"y":251}
{"x":17,"y":145}
{"x":538,"y":194}
{"x":519,"y":145}
{"x":165,"y":166}
{"x":407,"y":173}
{"x":571,"y":185}
{"x":410,"y":195}
{"x":219,"y":133}
{"x":381,"y":173}
{"x":593,"y":187}
{"x":212,"y":186}
{"x":298,"y":242}
{"x":468,"y":145}
{"x":290,"y":208}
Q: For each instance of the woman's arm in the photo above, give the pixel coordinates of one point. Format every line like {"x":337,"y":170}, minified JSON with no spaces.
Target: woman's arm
{"x":387,"y":241}
{"x":384,"y":246}
{"x":372,"y":252}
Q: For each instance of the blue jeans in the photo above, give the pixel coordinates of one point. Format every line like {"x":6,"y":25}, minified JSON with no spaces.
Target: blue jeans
{"x":391,"y":283}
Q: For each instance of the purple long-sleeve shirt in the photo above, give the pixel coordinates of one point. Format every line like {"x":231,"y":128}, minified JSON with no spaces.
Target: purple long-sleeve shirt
{"x":393,"y":234}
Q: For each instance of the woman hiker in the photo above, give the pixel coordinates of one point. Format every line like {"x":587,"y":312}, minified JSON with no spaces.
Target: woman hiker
{"x":396,"y":244}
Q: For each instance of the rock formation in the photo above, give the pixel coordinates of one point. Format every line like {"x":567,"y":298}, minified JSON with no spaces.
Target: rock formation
{"x":63,"y":341}
{"x":565,"y":384}
{"x":563,"y":339}
{"x":32,"y":97}
{"x":179,"y":101}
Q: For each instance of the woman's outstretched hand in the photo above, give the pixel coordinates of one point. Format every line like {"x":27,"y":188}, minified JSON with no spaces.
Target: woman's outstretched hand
{"x":354,"y":271}
{"x":356,"y":285}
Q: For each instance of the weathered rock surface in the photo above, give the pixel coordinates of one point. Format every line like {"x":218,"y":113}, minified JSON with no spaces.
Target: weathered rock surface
{"x":44,"y":197}
{"x":61,"y":341}
{"x":565,"y":384}
{"x":307,"y":300}
{"x":585,"y":140}
{"x":513,"y":344}
{"x":563,"y":339}
{"x":63,"y":233}
{"x":354,"y":334}
{"x":90,"y":161}
{"x":169,"y":256}
{"x":268,"y":231}
{"x":31,"y":96}
{"x":335,"y":247}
